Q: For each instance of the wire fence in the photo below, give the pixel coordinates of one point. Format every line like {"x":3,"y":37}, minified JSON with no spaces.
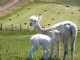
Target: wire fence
{"x":19,"y":27}
{"x":15,"y":27}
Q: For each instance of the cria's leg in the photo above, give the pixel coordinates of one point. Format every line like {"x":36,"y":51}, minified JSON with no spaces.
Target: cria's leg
{"x":45,"y":53}
{"x":58,"y":49}
{"x":31,"y":51}
{"x":65,"y":48}
{"x":72,"y":47}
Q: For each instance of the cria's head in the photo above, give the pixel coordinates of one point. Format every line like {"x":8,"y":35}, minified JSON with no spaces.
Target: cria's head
{"x":55,"y":33}
{"x":34,"y":20}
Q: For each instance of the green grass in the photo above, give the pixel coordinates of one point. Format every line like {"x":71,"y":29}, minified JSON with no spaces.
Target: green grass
{"x":17,"y":32}
{"x":70,"y":2}
{"x":36,"y":9}
{"x":16,"y":47}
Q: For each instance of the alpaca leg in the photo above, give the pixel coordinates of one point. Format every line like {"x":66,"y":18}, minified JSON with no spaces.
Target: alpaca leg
{"x":46,"y":54}
{"x":73,"y":39}
{"x":72,"y":48}
{"x":31,"y":51}
{"x":52,"y":51}
{"x":66,"y":32}
{"x":65,"y":49}
{"x":58,"y":50}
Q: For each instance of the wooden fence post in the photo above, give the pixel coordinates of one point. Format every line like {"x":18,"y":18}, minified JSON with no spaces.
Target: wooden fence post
{"x":1,"y":28}
{"x":34,"y":29}
{"x":28,"y":28}
{"x":20,"y":27}
{"x":12,"y":27}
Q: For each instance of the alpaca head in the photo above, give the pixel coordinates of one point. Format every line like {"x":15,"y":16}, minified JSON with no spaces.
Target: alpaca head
{"x":34,"y":20}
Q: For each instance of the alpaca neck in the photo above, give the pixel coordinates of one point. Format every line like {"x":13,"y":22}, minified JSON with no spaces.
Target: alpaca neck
{"x":39,"y":28}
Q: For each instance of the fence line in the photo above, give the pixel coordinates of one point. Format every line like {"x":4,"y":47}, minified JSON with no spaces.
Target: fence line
{"x":20,"y":28}
{"x":12,"y":27}
{"x":1,"y":27}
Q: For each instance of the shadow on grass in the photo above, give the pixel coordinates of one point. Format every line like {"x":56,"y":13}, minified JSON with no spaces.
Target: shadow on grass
{"x":42,"y":59}
{"x":27,"y":59}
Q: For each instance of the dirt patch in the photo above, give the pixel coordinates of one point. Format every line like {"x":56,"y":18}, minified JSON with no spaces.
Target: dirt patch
{"x":8,"y":4}
{"x":2,"y":13}
{"x":11,"y":6}
{"x":4,"y":9}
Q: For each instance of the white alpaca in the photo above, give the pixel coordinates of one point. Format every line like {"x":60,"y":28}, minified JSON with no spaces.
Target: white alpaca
{"x":44,"y":41}
{"x":67,"y":29}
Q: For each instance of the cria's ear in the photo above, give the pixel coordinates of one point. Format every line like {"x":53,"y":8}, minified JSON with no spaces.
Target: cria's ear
{"x":51,"y":31}
{"x":39,"y":17}
{"x":55,"y":32}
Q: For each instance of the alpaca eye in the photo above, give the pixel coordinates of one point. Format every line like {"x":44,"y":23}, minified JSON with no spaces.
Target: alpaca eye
{"x":34,"y":21}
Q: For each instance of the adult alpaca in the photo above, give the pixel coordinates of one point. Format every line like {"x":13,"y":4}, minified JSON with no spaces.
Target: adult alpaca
{"x":44,"y":41}
{"x":67,"y":29}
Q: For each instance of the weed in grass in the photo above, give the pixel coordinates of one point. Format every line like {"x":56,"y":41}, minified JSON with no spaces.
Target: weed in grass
{"x":67,"y":6}
{"x":52,"y":18}
{"x":18,"y":14}
{"x":15,"y":27}
{"x":29,"y":8}
{"x":72,"y":12}
{"x":10,"y":19}
{"x":48,"y":24}
{"x":39,"y":14}
{"x":58,"y":13}
{"x":25,"y":23}
{"x":78,"y":30}
{"x":45,"y":10}
{"x":43,"y":27}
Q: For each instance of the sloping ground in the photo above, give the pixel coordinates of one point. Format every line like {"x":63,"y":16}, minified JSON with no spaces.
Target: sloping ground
{"x":7,"y":5}
{"x":3,"y":2}
{"x":10,"y":6}
{"x":49,"y":12}
{"x":70,"y":2}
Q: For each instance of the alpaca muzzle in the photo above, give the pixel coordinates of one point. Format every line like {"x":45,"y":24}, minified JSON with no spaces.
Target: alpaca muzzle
{"x":30,"y":24}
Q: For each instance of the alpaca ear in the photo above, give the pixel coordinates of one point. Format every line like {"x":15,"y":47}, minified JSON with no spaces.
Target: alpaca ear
{"x":39,"y":17}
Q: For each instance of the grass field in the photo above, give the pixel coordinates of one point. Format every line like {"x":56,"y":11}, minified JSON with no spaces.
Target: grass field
{"x":57,"y":12}
{"x":16,"y":47}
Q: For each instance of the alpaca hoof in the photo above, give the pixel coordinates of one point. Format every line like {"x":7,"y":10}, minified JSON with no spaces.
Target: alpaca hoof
{"x":42,"y":59}
{"x":49,"y":58}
